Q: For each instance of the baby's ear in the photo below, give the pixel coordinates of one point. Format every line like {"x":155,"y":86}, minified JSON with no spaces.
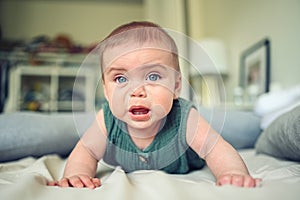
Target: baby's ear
{"x":177,"y":88}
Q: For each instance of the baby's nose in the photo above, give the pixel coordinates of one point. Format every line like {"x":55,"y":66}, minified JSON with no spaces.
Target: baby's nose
{"x":139,"y":92}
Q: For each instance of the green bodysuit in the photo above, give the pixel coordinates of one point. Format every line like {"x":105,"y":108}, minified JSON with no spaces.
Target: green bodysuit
{"x":168,"y":151}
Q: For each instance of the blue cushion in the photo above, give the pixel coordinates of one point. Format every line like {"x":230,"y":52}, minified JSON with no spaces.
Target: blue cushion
{"x":240,"y":128}
{"x":36,"y":134}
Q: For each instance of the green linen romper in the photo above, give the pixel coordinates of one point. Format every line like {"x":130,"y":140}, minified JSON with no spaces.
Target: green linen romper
{"x":168,"y":151}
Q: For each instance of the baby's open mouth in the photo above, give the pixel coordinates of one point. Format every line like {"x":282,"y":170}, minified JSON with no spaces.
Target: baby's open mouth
{"x":139,"y":110}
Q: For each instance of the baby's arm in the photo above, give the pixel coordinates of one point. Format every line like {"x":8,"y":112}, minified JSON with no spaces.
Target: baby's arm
{"x":82,"y":163}
{"x":80,"y":169}
{"x":228,"y":167}
{"x":222,"y":159}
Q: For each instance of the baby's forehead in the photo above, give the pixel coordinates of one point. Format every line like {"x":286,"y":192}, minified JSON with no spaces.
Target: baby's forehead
{"x":120,"y":53}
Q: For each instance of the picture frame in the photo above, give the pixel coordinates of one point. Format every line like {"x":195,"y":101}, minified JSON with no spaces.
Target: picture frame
{"x":255,"y":68}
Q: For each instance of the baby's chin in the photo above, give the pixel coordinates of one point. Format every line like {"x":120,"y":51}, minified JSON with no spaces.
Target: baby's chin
{"x":151,"y":125}
{"x":145,"y":129}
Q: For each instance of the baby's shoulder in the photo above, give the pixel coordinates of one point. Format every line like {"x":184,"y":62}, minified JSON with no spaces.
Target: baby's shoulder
{"x":100,"y":115}
{"x":100,"y":118}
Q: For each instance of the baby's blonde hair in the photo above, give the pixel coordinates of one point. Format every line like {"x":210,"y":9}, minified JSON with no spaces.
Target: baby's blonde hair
{"x":139,"y":33}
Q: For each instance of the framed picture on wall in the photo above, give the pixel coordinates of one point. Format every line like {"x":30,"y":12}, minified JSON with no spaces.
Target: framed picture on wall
{"x":255,"y":68}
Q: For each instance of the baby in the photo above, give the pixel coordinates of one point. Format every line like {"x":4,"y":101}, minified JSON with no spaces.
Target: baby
{"x":144,"y":124}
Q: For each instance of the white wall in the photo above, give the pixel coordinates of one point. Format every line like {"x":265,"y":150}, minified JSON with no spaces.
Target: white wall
{"x":85,"y":21}
{"x":241,"y":23}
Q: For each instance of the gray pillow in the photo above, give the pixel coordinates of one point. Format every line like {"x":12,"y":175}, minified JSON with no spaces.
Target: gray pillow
{"x":282,"y":138}
{"x":36,"y":134}
{"x":239,"y":128}
{"x":25,"y":134}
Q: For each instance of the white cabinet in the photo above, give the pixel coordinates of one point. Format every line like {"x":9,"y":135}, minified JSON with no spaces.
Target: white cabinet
{"x":50,"y":89}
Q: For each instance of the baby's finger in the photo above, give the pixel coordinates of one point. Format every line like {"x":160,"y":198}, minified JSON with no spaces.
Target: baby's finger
{"x":224,"y":180}
{"x":87,"y":181}
{"x":52,"y":183}
{"x":237,"y":180}
{"x":64,"y":182}
{"x":75,"y":181}
{"x":249,"y":181}
{"x":258,"y":182}
{"x":96,"y":182}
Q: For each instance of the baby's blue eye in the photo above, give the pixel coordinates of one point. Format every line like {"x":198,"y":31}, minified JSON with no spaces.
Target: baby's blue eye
{"x":153,"y":77}
{"x":121,"y":79}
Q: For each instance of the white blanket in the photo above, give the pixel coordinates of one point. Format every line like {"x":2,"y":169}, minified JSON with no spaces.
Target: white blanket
{"x":26,"y":179}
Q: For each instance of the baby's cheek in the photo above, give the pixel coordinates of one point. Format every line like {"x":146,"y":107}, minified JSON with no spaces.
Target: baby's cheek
{"x":118,"y":103}
{"x":118,"y":109}
{"x":159,"y":111}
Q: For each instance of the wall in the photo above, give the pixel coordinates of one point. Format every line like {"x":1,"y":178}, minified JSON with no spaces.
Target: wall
{"x":86,"y":21}
{"x":167,"y":13}
{"x":241,"y":23}
{"x":170,"y":14}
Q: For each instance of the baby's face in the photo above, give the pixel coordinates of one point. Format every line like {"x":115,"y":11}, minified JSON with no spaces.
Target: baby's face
{"x":140,"y":86}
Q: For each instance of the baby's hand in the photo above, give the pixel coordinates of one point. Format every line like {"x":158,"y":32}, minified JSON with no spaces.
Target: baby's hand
{"x":238,"y":180}
{"x":78,"y":181}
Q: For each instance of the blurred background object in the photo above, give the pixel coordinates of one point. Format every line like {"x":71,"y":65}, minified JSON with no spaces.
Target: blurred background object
{"x":73,"y":27}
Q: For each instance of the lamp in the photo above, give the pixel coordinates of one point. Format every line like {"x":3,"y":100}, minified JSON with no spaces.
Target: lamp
{"x":208,"y":61}
{"x":209,"y":56}
{"x":215,"y":48}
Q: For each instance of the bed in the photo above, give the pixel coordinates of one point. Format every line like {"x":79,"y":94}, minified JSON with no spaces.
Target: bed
{"x":34,"y":148}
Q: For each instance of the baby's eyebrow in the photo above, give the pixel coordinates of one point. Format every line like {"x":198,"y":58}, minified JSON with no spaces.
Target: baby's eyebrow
{"x":142,"y":67}
{"x":154,"y":65}
{"x":114,"y":69}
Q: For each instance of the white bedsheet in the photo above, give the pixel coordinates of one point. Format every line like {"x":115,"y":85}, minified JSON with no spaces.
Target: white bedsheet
{"x":26,"y":179}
